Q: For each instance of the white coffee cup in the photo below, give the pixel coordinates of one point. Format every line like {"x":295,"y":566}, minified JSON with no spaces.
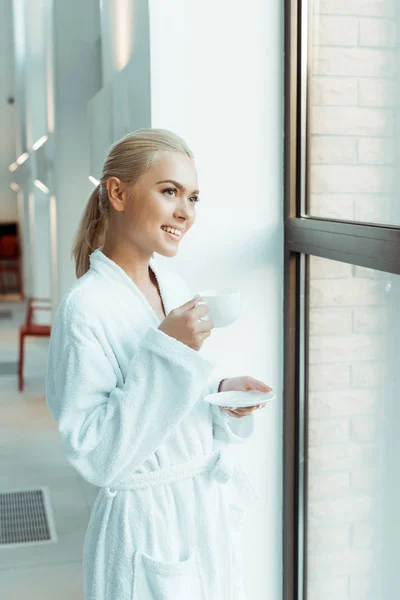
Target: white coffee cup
{"x":223,"y":306}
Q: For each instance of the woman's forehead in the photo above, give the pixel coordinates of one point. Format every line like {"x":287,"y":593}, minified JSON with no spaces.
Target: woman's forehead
{"x":175,"y":166}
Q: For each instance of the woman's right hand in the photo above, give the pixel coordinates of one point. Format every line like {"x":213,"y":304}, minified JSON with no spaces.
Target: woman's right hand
{"x":184,"y":325}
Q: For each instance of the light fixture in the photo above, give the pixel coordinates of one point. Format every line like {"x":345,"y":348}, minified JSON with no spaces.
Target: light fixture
{"x":40,"y":142}
{"x":21,"y":159}
{"x":13,"y":166}
{"x":93,"y":180}
{"x":14,"y":186}
{"x":39,"y":184}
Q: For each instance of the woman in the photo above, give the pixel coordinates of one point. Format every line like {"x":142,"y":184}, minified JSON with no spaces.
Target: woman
{"x":125,"y":383}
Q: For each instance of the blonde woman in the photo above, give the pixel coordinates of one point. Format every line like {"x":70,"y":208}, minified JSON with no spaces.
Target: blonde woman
{"x":125,"y":383}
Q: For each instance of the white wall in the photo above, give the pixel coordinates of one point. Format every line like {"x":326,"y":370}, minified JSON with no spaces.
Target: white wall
{"x":217,"y":80}
{"x":77,"y":78}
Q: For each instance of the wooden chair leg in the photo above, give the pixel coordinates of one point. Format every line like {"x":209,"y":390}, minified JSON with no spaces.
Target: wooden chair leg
{"x":21,"y":362}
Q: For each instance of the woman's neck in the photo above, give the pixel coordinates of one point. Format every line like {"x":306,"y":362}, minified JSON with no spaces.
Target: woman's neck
{"x":131,"y":261}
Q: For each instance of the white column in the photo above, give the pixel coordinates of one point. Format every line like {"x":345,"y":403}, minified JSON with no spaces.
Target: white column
{"x":117,"y":35}
{"x":78,"y":68}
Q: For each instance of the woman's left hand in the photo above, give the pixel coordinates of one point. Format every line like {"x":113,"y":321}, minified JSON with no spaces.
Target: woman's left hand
{"x":242,"y":384}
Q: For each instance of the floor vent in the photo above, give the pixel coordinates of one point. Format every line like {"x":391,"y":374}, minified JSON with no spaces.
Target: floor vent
{"x":5,"y":314}
{"x":8,"y":368}
{"x":26,"y":518}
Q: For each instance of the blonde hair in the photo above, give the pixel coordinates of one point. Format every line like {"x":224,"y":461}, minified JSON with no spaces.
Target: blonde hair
{"x":127,"y":160}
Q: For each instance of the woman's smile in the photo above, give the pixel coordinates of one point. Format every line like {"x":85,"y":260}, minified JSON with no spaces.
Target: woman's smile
{"x":173,"y":235}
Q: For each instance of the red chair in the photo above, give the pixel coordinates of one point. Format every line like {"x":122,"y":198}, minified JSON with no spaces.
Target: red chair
{"x":32,"y":330}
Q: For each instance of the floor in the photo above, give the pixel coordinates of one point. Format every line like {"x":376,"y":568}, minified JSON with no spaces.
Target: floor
{"x":30,"y":456}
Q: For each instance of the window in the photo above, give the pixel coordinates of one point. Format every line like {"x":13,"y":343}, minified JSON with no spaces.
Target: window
{"x":342,"y":293}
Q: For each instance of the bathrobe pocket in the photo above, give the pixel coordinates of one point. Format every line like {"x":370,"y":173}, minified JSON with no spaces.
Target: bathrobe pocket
{"x":167,"y":580}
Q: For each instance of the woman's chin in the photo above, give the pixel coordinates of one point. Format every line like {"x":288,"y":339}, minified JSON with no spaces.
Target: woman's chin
{"x":168,"y":251}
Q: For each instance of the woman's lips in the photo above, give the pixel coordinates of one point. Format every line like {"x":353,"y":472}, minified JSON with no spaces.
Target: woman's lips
{"x":172,"y":235}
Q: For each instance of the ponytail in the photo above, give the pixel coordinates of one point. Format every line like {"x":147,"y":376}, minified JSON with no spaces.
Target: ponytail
{"x":90,"y":235}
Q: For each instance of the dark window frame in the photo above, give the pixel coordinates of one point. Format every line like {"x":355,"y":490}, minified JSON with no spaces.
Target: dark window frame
{"x":369,"y":245}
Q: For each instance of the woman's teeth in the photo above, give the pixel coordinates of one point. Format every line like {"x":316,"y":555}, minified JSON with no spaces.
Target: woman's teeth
{"x":175,"y":233}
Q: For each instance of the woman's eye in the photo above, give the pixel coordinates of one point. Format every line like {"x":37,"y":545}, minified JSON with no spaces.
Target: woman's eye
{"x":170,"y":190}
{"x":194,"y":199}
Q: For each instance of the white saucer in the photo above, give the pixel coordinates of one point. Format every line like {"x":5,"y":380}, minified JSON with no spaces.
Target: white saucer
{"x":240,"y":399}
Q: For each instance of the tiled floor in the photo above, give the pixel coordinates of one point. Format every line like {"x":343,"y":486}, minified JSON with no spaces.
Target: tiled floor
{"x":30,"y":455}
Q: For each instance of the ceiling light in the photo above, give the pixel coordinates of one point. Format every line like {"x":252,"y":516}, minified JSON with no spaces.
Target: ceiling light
{"x":41,"y":186}
{"x":39,"y":142}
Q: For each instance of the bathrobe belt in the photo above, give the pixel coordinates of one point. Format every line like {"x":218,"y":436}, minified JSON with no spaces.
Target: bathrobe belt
{"x":217,"y":463}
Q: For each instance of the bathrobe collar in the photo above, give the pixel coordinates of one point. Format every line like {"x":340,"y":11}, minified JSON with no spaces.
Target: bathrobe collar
{"x":109,"y":270}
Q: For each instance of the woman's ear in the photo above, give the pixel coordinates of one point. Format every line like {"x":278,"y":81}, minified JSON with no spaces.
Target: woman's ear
{"x":116,"y":193}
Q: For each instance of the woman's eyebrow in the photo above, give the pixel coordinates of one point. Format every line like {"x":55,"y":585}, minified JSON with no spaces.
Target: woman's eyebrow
{"x":176,"y":184}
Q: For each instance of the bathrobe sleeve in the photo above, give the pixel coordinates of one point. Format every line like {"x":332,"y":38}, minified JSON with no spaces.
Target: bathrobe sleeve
{"x":226,"y":428}
{"x":107,"y":431}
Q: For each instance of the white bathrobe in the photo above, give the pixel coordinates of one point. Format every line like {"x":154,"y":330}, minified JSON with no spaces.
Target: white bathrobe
{"x":128,"y":400}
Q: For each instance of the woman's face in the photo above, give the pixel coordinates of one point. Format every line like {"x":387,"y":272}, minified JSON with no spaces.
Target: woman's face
{"x":164,"y":196}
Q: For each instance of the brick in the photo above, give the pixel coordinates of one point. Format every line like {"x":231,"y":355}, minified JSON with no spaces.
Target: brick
{"x":350,"y":562}
{"x":339,"y":511}
{"x":333,"y":150}
{"x":377,"y":32}
{"x":342,"y":404}
{"x":362,"y":588}
{"x":370,"y":320}
{"x":358,"y":179}
{"x":335,"y":31}
{"x":331,"y":589}
{"x":333,"y":91}
{"x":329,"y":377}
{"x":375,"y":151}
{"x":373,"y":209}
{"x":369,"y":375}
{"x":366,"y":480}
{"x":356,"y":62}
{"x":344,"y":120}
{"x":328,"y":485}
{"x":363,"y":535}
{"x":326,"y":321}
{"x":323,"y":268}
{"x":346,"y":292}
{"x":364,"y":429}
{"x":332,"y":206}
{"x":362,"y":8}
{"x":379,"y":93}
{"x":324,"y":540}
{"x":341,"y":457}
{"x":366,"y":273}
{"x":345,"y":349}
{"x":333,"y":431}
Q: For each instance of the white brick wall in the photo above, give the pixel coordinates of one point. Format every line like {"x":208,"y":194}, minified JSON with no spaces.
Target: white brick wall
{"x":345,"y":120}
{"x":347,"y":349}
{"x":353,"y":94}
{"x":334,"y":92}
{"x":377,"y":92}
{"x":365,"y":8}
{"x":377,"y":32}
{"x":354,"y":62}
{"x":335,"y":31}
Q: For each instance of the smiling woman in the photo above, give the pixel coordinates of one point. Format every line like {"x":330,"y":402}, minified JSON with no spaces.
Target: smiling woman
{"x":126,"y":382}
